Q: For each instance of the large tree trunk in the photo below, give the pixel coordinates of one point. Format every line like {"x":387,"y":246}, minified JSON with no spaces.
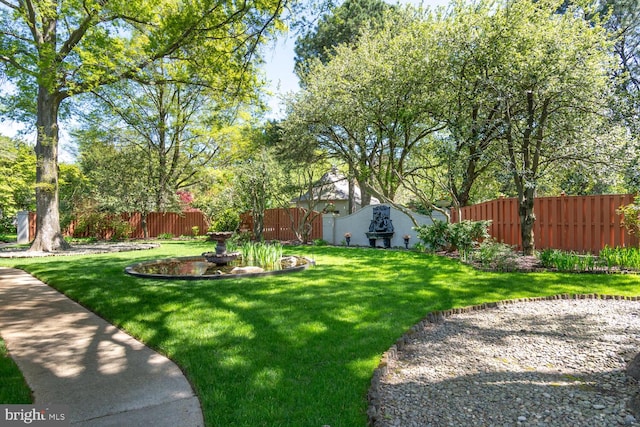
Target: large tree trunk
{"x":527,"y":219}
{"x":48,"y":233}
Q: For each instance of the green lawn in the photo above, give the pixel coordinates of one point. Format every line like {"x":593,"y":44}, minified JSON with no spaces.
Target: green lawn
{"x":298,"y":349}
{"x":13,"y":388}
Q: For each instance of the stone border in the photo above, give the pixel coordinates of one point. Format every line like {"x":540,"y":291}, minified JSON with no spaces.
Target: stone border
{"x":131,"y":270}
{"x":390,"y":357}
{"x":81,"y":249}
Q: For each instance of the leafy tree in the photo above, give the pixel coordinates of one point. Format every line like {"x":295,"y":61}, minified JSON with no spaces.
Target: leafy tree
{"x":551,"y":84}
{"x":172,"y":127}
{"x":53,"y":51}
{"x":372,"y":104}
{"x":302,"y":170}
{"x":342,"y":24}
{"x":17,"y":177}
{"x":623,"y":20}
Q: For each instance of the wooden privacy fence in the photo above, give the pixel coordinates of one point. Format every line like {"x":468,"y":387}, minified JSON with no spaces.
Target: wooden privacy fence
{"x":571,"y":223}
{"x":176,"y":224}
{"x":279,"y":224}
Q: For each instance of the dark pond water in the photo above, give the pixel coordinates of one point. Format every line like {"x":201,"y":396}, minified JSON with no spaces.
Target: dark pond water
{"x":200,"y":268}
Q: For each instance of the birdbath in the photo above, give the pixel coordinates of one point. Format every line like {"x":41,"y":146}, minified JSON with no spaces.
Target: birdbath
{"x":220,"y":257}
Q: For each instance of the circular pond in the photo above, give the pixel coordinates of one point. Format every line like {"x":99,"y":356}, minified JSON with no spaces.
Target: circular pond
{"x":197,"y":267}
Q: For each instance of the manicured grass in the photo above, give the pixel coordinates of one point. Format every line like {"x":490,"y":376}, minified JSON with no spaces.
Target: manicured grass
{"x":298,"y":349}
{"x":13,"y":388}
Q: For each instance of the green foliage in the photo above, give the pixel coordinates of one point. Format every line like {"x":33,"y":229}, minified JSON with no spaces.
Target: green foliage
{"x":631,"y":216}
{"x":320,"y":242}
{"x":262,"y":254}
{"x":496,"y":256}
{"x":165,"y":236}
{"x":462,"y":236}
{"x":17,"y":177}
{"x":7,"y":225}
{"x":436,"y":237}
{"x":568,"y":261}
{"x":620,"y":257}
{"x":343,"y":24}
{"x":98,"y":225}
{"x":227,"y":220}
{"x":195,"y":231}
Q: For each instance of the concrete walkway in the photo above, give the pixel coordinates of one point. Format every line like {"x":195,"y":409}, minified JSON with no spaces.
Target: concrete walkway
{"x":70,"y":356}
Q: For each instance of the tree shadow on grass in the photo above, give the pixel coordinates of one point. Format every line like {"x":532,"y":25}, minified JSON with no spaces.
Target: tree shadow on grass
{"x":288,"y":350}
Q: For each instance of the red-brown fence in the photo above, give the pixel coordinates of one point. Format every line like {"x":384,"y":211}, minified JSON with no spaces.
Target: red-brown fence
{"x":176,"y":224}
{"x":571,"y":223}
{"x":279,"y":224}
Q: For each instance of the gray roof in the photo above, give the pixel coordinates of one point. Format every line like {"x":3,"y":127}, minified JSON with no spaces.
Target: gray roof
{"x":333,"y":186}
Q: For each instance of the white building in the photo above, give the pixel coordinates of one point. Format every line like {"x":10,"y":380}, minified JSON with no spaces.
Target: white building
{"x":331,"y":194}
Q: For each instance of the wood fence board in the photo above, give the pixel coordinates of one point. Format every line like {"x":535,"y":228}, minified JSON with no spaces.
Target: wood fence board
{"x":572,"y":223}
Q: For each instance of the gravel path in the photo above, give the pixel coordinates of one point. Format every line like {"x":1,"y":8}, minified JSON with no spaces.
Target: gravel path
{"x":536,"y":363}
{"x":10,"y":250}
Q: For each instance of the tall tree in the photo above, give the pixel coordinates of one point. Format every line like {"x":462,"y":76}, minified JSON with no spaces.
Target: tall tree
{"x":53,"y":50}
{"x":372,"y":104}
{"x":342,"y":24}
{"x":552,"y":85}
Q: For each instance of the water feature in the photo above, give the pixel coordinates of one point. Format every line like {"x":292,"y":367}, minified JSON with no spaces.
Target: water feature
{"x":218,"y":265}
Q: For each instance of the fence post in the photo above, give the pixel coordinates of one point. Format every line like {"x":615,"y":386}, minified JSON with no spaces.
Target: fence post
{"x":22,"y":218}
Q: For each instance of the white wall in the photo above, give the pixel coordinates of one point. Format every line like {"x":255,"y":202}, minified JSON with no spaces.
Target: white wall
{"x":334,"y":227}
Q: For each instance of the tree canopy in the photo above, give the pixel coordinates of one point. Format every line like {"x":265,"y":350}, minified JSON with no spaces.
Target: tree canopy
{"x":53,"y":50}
{"x":341,"y":25}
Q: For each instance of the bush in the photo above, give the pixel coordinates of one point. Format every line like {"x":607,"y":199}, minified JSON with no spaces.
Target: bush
{"x":436,"y":236}
{"x":227,"y":220}
{"x":461,"y":236}
{"x":631,"y":216}
{"x":165,"y":236}
{"x":7,"y":225}
{"x":98,"y":225}
{"x":496,"y":256}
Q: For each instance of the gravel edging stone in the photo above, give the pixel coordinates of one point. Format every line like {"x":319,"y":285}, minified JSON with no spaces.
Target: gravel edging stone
{"x":549,"y":361}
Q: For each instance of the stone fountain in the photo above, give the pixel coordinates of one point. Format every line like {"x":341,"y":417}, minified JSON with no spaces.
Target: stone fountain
{"x":213,"y":265}
{"x":220,"y":256}
{"x":380,"y":226}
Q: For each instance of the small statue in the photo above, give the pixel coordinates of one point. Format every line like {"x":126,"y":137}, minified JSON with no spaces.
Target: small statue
{"x":381,"y":221}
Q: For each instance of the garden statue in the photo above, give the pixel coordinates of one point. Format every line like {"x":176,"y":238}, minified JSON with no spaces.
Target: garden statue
{"x":380,"y":226}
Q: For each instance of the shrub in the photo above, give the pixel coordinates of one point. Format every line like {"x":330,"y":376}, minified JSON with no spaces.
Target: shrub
{"x":7,"y":225}
{"x":497,"y":256}
{"x":461,"y":236}
{"x":99,"y":225}
{"x":435,"y":236}
{"x":227,"y":220}
{"x":195,"y":230}
{"x":165,"y":236}
{"x":631,"y":216}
